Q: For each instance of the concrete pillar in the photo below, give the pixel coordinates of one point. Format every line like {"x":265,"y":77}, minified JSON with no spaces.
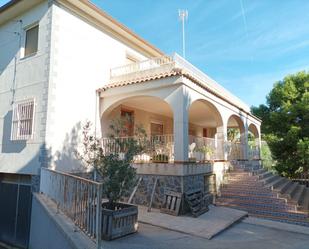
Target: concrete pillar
{"x":244,"y":141}
{"x":180,"y":105}
{"x":221,"y":138}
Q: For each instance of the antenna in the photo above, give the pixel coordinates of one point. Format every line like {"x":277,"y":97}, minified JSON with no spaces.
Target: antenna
{"x":183,"y":16}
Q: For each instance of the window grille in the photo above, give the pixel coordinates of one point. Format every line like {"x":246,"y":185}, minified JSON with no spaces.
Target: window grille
{"x":22,"y":120}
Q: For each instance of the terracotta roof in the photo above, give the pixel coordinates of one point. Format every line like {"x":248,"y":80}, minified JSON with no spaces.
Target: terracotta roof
{"x":141,"y":79}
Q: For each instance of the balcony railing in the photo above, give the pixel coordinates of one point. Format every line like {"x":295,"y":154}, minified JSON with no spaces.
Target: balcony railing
{"x":80,"y":199}
{"x":161,"y":148}
{"x":164,"y":63}
{"x":140,"y":66}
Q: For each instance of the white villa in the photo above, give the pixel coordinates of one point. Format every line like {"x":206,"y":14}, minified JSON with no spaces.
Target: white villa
{"x":63,"y":62}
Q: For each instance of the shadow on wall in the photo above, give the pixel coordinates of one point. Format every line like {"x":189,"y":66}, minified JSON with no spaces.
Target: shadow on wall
{"x":9,"y":146}
{"x":66,"y":159}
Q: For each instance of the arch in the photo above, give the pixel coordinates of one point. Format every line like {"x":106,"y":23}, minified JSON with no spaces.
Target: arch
{"x":205,"y":114}
{"x":254,"y":130}
{"x":236,"y":137}
{"x":235,"y":122}
{"x":145,"y":108}
{"x":205,"y":131}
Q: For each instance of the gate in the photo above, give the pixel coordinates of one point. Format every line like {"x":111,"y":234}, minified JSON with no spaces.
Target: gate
{"x":15,"y":209}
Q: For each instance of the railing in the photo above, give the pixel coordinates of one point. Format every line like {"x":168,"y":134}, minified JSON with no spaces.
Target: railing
{"x":140,"y":66}
{"x":205,"y":149}
{"x":253,"y":152}
{"x":235,"y":150}
{"x":177,"y":62}
{"x":80,"y":199}
{"x":158,"y":148}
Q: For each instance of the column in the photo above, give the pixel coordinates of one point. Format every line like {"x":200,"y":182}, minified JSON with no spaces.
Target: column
{"x":221,"y":138}
{"x":244,"y":141}
{"x":180,"y":104}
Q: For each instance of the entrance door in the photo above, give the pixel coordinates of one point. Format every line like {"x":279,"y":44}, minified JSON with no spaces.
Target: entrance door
{"x":128,"y":116}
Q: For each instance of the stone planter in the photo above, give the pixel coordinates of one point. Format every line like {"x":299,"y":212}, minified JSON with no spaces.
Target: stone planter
{"x":120,"y":222}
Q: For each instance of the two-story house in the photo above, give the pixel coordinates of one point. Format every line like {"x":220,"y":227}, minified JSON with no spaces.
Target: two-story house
{"x":63,"y":62}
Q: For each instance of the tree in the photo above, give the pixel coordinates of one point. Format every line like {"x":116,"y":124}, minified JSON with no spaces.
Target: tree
{"x":285,"y":124}
{"x":113,"y":163}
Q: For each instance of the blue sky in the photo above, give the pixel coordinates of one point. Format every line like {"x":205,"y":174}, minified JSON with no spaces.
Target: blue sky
{"x":246,"y":45}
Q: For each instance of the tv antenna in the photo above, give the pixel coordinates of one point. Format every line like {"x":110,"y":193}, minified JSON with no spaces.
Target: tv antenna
{"x":183,"y":16}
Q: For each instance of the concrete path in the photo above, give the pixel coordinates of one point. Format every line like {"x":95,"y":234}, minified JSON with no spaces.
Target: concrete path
{"x":205,"y":226}
{"x":240,"y":236}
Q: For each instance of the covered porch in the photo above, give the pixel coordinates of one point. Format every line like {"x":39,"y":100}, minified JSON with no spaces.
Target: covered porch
{"x":205,"y":142}
{"x":187,"y":117}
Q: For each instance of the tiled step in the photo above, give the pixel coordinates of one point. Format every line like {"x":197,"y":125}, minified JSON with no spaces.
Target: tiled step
{"x":248,"y":192}
{"x":258,"y":172}
{"x":245,"y":184}
{"x":270,"y":179}
{"x":264,"y":194}
{"x":297,"y":216}
{"x":305,"y":201}
{"x":283,"y":187}
{"x":252,"y":198}
{"x":258,"y":205}
{"x":264,"y":175}
{"x":285,"y":220}
{"x":298,"y":194}
{"x":288,"y":192}
{"x":272,"y":185}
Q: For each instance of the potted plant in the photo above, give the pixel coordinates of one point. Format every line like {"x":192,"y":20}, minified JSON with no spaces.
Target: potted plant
{"x":160,"y":158}
{"x":117,"y":175}
{"x":208,"y":151}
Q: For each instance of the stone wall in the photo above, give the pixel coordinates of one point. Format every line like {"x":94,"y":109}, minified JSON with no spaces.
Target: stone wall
{"x":181,"y":184}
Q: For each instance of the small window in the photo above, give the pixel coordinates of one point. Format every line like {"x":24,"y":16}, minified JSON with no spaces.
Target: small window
{"x":32,"y":37}
{"x":22,"y":120}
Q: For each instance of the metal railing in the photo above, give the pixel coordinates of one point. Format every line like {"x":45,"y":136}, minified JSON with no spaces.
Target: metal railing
{"x":235,"y":150}
{"x":79,"y":198}
{"x":160,"y":148}
{"x":253,"y":152}
{"x":205,"y":149}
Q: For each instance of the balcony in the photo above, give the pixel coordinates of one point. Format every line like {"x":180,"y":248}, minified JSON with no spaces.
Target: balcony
{"x":167,"y":64}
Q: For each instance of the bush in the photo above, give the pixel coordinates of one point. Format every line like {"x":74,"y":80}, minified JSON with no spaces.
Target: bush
{"x":114,"y":167}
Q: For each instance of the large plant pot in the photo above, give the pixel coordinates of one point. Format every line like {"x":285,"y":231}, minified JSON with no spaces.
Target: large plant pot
{"x":120,"y":222}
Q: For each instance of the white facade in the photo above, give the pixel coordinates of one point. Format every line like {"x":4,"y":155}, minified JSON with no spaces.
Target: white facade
{"x":78,"y":45}
{"x":74,"y":57}
{"x":22,"y":78}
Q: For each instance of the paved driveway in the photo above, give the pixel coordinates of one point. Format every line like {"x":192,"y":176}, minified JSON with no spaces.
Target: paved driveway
{"x":239,"y":236}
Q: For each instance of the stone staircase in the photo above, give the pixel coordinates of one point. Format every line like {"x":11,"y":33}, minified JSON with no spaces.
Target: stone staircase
{"x":264,"y":194}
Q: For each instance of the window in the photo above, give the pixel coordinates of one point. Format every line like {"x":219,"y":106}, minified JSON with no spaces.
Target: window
{"x":22,"y":120}
{"x":32,"y":37}
{"x":128,"y":117}
{"x":156,"y":129}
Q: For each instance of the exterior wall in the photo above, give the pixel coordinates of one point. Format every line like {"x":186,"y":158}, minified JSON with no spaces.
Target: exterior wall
{"x":82,"y":56}
{"x":20,"y":79}
{"x":45,"y":232}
